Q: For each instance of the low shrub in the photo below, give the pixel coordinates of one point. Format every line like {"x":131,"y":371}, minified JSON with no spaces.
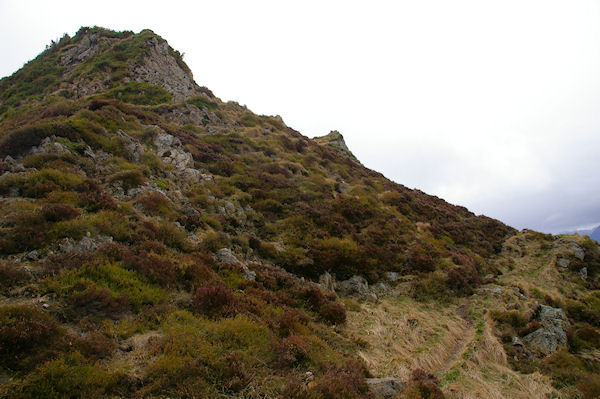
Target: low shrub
{"x":140,"y":93}
{"x":422,"y":385}
{"x":214,"y":300}
{"x":202,"y":102}
{"x":155,"y":204}
{"x":70,"y":376}
{"x":513,"y":318}
{"x":291,"y":351}
{"x":583,"y":336}
{"x":12,"y":274}
{"x":93,"y":300}
{"x":158,"y":269}
{"x":59,"y":212}
{"x":26,"y":231}
{"x":290,"y":321}
{"x":333,"y":313}
{"x":105,"y":288}
{"x":95,"y":345}
{"x":128,"y":178}
{"x":27,"y":335}
{"x":347,"y":381}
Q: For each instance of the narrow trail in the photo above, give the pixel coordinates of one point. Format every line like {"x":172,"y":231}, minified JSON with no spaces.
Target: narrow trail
{"x":461,"y":346}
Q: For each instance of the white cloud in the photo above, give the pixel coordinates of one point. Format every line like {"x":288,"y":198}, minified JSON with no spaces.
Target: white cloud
{"x":492,"y":105}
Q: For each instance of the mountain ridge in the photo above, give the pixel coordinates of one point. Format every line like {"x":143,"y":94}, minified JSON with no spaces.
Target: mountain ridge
{"x":158,"y":241}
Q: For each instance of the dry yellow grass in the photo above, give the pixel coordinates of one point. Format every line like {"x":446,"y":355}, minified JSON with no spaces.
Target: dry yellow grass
{"x":403,"y":335}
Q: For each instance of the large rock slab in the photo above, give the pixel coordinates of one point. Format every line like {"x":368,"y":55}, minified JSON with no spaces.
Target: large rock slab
{"x":385,"y":388}
{"x":553,"y":333}
{"x":356,"y":286}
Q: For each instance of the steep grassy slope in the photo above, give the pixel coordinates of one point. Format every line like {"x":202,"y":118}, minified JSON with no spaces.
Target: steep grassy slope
{"x":158,"y":242}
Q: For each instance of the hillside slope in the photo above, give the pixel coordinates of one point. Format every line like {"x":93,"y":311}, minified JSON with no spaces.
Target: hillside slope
{"x":159,"y":242}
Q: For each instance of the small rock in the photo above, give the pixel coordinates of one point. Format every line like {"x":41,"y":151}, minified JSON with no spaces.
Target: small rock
{"x":562,"y":262}
{"x":553,"y":333}
{"x":391,"y":276}
{"x":33,"y":255}
{"x":356,"y":285}
{"x":583,"y":272}
{"x":385,"y":388}
{"x":577,"y":250}
{"x":225,"y":255}
{"x":516,"y":341}
{"x":327,"y":281}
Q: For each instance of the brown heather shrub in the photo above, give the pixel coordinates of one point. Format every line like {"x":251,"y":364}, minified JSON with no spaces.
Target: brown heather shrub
{"x":129,"y":178}
{"x":314,"y":297}
{"x":291,"y":351}
{"x":420,"y":259}
{"x":59,"y":212}
{"x":422,"y":385}
{"x":192,"y":221}
{"x":12,"y":274}
{"x":156,"y":268}
{"x":347,"y":381}
{"x":583,"y":336}
{"x":289,"y":320}
{"x":333,"y":313}
{"x":70,"y":260}
{"x":94,"y":201}
{"x":235,"y":375}
{"x":94,"y":300}
{"x":26,"y":332}
{"x":589,"y":385}
{"x":26,"y":230}
{"x":95,"y":345}
{"x":214,"y":300}
{"x":154,"y":204}
{"x":463,"y":279}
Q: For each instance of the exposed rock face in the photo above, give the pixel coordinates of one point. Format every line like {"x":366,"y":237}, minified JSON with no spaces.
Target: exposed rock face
{"x":86,"y":244}
{"x":357,"y":286}
{"x":553,"y":333}
{"x":562,"y":262}
{"x":385,"y":388}
{"x":87,"y":46}
{"x":160,"y":68}
{"x":172,"y":152}
{"x":225,"y":255}
{"x":335,"y":139}
{"x":577,"y":251}
{"x":327,"y":281}
{"x":134,"y":148}
{"x":49,"y":146}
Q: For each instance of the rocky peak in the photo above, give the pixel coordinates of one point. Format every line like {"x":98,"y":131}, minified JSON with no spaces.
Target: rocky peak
{"x":96,"y":60}
{"x":335,"y":139}
{"x":163,"y":67}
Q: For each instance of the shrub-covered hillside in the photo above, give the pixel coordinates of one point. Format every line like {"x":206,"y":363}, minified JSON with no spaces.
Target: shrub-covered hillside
{"x":156,"y":241}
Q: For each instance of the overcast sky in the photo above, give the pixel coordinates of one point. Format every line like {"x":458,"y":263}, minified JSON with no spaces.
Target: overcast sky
{"x":493,"y":105}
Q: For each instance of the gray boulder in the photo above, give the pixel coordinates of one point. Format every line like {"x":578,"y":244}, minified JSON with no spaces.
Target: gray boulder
{"x":356,"y":286}
{"x":385,"y":388}
{"x":225,"y":255}
{"x":553,"y":333}
{"x":562,"y":262}
{"x":577,"y":251}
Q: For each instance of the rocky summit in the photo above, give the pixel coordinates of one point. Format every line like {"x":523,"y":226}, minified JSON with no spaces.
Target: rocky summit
{"x":156,"y":241}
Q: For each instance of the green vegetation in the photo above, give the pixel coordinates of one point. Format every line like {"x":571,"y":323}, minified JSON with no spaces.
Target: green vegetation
{"x":118,"y":239}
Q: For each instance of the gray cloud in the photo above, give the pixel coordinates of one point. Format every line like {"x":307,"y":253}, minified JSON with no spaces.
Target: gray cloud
{"x":489,"y":105}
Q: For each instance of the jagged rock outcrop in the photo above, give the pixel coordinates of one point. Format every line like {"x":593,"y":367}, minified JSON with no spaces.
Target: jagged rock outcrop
{"x":159,"y":67}
{"x":385,"y":388}
{"x":356,"y":286}
{"x":553,"y":333}
{"x":225,"y":255}
{"x":335,"y":139}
